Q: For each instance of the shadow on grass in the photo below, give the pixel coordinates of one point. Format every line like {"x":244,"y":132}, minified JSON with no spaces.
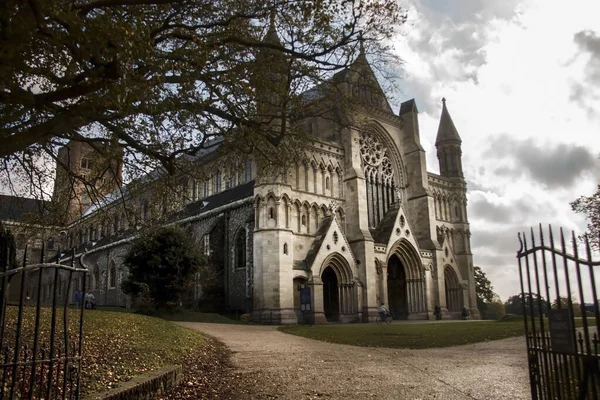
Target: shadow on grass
{"x":182,"y":315}
{"x":410,"y":336}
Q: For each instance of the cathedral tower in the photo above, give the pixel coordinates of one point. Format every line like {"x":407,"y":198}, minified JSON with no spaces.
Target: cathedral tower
{"x":83,"y":176}
{"x":448,"y":144}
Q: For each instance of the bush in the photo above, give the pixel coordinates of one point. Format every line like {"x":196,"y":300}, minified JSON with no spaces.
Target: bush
{"x":161,"y":266}
{"x":494,"y":310}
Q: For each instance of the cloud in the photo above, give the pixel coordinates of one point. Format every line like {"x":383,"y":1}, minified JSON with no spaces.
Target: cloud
{"x":451,"y":39}
{"x":586,"y":91}
{"x":481,"y":207}
{"x":556,"y":165}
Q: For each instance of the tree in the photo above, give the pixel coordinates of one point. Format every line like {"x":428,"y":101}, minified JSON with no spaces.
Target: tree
{"x":514,"y":304}
{"x":590,"y":206}
{"x":483,"y":289}
{"x":161,"y":265}
{"x":495,"y":310}
{"x":161,"y":80}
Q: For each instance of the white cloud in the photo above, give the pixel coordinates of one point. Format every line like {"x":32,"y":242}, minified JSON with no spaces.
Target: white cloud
{"x":522,"y":71}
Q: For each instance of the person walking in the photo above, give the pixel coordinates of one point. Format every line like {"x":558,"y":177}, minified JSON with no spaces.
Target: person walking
{"x":437,"y":312}
{"x":78,"y":297}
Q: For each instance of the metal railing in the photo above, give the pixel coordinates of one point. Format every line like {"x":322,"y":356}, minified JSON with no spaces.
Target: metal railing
{"x":41,"y":332}
{"x":563,"y":349}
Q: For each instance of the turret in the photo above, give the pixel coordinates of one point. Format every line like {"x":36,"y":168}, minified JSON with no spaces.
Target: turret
{"x":270,"y":76}
{"x":448,"y":144}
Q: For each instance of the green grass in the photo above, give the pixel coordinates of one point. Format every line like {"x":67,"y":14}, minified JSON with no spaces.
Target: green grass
{"x":411,"y":336}
{"x":414,"y":335}
{"x":117,"y":345}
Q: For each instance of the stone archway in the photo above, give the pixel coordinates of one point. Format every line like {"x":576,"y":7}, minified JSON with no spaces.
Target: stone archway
{"x":406,"y":282}
{"x":340,"y":291}
{"x":331,"y":300}
{"x":396,"y":288}
{"x":452,"y":290}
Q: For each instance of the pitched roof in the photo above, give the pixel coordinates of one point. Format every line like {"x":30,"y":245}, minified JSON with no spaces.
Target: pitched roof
{"x":316,"y":244}
{"x":220,"y":199}
{"x":383,"y":232}
{"x":446,"y":130}
{"x":14,"y":208}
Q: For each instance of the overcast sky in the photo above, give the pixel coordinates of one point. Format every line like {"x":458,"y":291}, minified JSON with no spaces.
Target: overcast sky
{"x":522,"y":83}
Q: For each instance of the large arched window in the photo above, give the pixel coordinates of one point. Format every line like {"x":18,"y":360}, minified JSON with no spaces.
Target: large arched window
{"x":240,"y":249}
{"x":379,"y":174}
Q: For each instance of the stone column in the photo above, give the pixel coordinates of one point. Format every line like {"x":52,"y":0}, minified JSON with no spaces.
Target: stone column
{"x":316,"y":286}
{"x":384,"y":286}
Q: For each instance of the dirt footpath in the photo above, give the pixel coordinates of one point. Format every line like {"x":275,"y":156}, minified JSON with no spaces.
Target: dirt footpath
{"x":278,"y":365}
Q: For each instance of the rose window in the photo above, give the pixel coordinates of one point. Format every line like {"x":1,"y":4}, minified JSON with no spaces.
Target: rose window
{"x":371,"y":150}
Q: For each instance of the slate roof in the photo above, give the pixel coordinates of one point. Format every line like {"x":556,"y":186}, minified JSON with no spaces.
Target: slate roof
{"x":317,"y":242}
{"x":14,"y":208}
{"x":383,"y":232}
{"x":220,"y":199}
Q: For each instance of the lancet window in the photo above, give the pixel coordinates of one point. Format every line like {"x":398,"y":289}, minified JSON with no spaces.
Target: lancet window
{"x":379,"y":175}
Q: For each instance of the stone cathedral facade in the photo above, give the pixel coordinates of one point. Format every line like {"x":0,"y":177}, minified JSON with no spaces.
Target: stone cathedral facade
{"x":359,"y":221}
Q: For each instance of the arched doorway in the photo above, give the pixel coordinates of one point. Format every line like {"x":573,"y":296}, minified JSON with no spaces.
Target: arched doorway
{"x":453,"y":290}
{"x":396,"y":286}
{"x":331,"y":300}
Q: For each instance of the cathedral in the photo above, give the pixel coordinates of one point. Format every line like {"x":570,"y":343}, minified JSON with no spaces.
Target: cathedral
{"x":358,"y":222}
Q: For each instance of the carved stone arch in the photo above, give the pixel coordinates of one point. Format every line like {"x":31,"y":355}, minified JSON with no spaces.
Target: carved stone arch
{"x":405,"y":280}
{"x":324,"y":210}
{"x":258,"y":202}
{"x":452,"y":289}
{"x":340,"y":266}
{"x":240,"y":248}
{"x":410,"y":256}
{"x":296,"y":215}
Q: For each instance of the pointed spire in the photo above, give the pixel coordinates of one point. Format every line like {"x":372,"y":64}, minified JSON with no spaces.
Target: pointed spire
{"x":271,"y":36}
{"x":446,"y":131}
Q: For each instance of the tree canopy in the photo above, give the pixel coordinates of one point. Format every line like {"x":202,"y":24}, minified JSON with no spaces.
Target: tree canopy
{"x":161,"y":80}
{"x":590,"y":206}
{"x":514,"y":304}
{"x":161,"y":265}
{"x":483,"y":289}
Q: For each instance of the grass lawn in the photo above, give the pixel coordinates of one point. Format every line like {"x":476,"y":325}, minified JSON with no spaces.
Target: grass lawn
{"x":411,"y":336}
{"x":195,"y":316}
{"x":414,"y":335}
{"x":117,"y":345}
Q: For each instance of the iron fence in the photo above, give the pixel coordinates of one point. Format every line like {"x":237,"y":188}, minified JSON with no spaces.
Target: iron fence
{"x":41,"y":332}
{"x":562,"y":335}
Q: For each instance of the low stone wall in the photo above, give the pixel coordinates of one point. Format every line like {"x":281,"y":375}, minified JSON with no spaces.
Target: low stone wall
{"x":144,"y":387}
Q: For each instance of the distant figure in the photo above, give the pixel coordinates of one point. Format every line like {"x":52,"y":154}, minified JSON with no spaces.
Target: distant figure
{"x":90,"y":301}
{"x":465,"y":313}
{"x":437,"y":312}
{"x":383,"y":312}
{"x":78,"y":298}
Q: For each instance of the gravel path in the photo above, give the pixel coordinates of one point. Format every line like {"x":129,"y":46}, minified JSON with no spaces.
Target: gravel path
{"x":272,"y":364}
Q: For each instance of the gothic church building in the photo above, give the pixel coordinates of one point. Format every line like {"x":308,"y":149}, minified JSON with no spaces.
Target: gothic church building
{"x":359,"y":221}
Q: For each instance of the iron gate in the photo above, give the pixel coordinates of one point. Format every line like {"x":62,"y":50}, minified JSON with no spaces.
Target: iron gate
{"x":562,"y":336}
{"x":41,"y":332}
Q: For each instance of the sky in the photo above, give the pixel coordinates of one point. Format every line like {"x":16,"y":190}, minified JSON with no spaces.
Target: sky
{"x":522,"y":83}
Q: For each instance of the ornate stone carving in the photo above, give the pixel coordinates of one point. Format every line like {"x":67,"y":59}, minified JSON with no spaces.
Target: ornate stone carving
{"x":333,"y":207}
{"x":399,"y":195}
